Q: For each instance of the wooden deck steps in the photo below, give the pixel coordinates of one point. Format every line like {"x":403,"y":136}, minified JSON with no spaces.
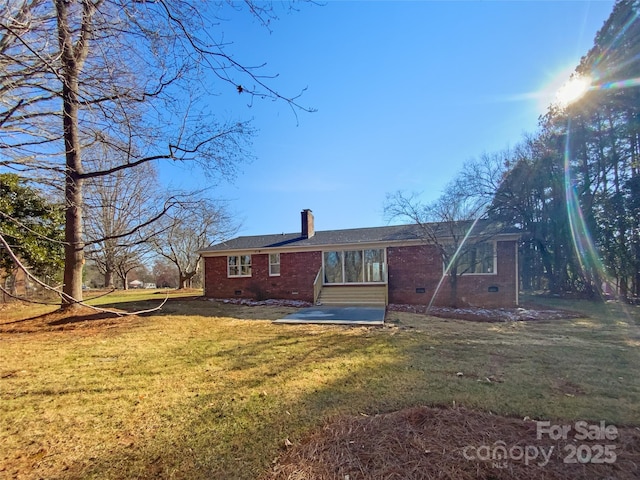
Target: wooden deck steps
{"x":374,"y":295}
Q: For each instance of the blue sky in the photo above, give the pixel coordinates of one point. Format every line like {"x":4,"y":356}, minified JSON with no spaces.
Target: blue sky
{"x":405,"y":93}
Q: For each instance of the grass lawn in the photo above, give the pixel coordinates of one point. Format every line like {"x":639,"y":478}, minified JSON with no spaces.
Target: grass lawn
{"x":204,"y":390}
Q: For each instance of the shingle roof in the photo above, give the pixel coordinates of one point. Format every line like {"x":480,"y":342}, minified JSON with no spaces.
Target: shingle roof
{"x":388,"y":234}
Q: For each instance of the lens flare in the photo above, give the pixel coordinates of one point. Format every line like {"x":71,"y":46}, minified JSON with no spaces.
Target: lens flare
{"x":605,"y":66}
{"x":452,"y":261}
{"x":573,"y":90}
{"x":632,"y":82}
{"x":590,"y":263}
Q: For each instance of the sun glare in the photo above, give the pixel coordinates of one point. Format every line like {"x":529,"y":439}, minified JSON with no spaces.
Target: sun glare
{"x":572,"y":90}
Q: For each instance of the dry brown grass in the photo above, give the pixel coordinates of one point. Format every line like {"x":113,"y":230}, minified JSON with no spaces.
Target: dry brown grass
{"x":207,"y":390}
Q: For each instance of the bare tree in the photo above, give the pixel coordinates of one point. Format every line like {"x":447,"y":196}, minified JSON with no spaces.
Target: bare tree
{"x":480,"y":179}
{"x":189,"y":229}
{"x":124,"y":74}
{"x":119,"y":209}
{"x":24,"y":66}
{"x":163,"y":273}
{"x":455,"y":223}
{"x":126,"y":262}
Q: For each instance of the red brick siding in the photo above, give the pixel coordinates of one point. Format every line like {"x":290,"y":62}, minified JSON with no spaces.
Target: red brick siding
{"x":474,"y":290}
{"x":409,"y":268}
{"x":297,"y":273}
{"x":412,"y":268}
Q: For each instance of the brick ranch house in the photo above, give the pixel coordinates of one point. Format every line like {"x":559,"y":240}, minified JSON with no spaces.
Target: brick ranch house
{"x":380,"y":265}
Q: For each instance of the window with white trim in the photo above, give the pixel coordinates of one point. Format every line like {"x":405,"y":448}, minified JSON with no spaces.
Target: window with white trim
{"x":478,"y":259}
{"x":239,"y":265}
{"x":274,"y":264}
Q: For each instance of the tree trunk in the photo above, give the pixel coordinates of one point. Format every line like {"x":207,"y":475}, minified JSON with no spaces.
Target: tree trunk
{"x":623,"y":290}
{"x":108,"y":278}
{"x":74,"y":247}
{"x":185,"y":279}
{"x":453,"y":288}
{"x":636,"y":263}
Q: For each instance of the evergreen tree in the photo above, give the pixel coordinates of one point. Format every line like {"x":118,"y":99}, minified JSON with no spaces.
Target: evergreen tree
{"x":32,"y":226}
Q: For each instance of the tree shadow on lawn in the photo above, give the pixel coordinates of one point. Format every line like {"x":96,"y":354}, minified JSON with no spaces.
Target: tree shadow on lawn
{"x":249,"y":401}
{"x":190,"y":305}
{"x":60,"y":320}
{"x":204,"y":307}
{"x":67,"y":320}
{"x":341,"y":424}
{"x":88,"y":318}
{"x":492,"y":315}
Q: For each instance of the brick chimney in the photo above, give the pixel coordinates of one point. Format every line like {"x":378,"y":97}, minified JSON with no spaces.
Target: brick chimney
{"x":307,"y":223}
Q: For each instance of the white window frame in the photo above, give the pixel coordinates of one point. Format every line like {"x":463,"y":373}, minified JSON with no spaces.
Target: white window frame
{"x":273,"y":264}
{"x":239,"y":265}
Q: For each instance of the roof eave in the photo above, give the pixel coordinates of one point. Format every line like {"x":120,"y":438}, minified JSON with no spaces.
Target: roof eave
{"x":342,"y":246}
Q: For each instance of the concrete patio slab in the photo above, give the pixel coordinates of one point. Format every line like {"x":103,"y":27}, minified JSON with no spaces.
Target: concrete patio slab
{"x":332,"y":315}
